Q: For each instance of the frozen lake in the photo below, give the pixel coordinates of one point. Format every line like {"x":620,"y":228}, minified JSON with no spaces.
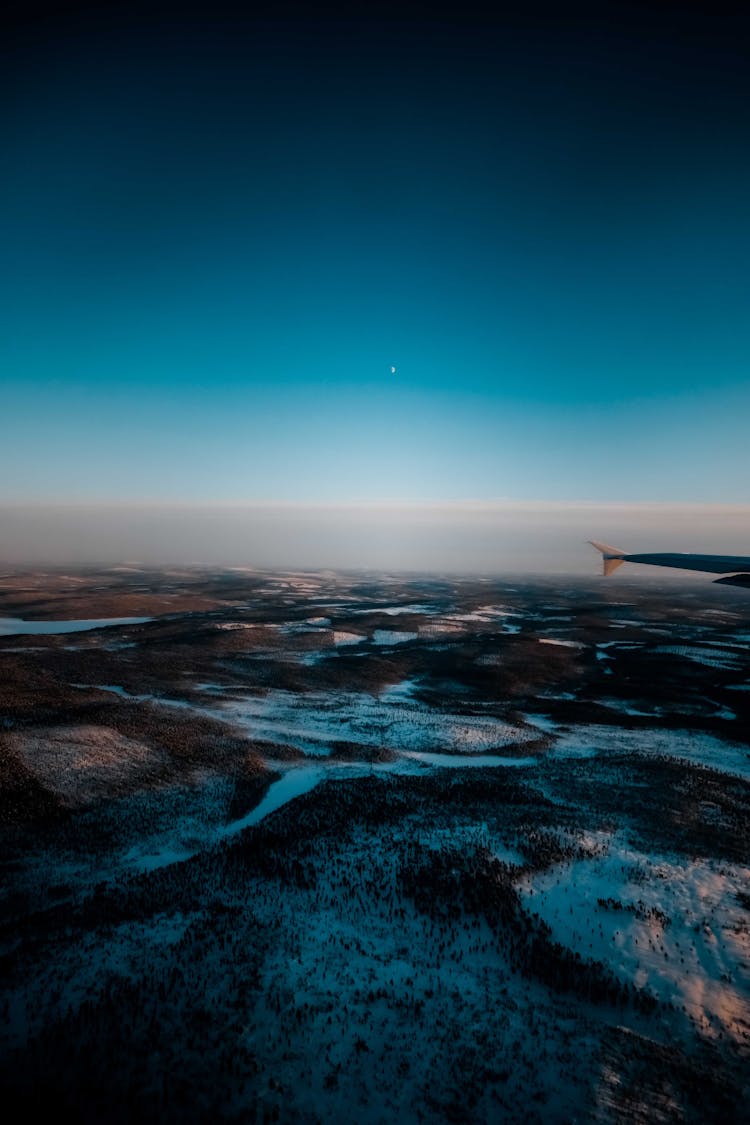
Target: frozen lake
{"x":291,"y":784}
{"x":15,"y":626}
{"x":297,"y":780}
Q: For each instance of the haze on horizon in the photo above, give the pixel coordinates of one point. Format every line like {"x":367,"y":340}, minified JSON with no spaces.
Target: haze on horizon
{"x":221,"y":233}
{"x":500,"y":537}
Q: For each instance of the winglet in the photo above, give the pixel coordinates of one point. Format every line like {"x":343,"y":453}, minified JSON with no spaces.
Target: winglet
{"x":612,"y":557}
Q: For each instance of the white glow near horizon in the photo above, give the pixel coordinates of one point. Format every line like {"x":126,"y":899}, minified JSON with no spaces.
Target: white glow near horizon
{"x":471,"y":536}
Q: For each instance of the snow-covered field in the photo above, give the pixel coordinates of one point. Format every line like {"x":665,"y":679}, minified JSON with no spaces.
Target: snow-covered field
{"x":313,"y":721}
{"x":694,"y":746}
{"x":675,"y":927}
{"x":85,"y":763}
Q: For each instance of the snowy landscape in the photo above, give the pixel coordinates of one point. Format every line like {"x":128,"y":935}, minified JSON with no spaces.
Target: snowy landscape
{"x":329,"y":847}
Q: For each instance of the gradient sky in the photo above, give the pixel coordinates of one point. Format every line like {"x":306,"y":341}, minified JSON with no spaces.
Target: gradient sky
{"x":218,"y":234}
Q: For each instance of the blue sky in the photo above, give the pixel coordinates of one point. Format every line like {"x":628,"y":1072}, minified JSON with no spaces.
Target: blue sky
{"x":218,"y":238}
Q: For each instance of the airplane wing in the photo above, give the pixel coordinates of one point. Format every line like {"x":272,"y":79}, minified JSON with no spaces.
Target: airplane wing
{"x":735,"y":569}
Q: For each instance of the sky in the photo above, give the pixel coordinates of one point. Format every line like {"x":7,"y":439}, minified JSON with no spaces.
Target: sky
{"x":219,"y":233}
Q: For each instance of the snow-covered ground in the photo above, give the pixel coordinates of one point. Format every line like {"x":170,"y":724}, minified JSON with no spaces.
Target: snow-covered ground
{"x":711,"y":656}
{"x":83,"y":763}
{"x":496,"y":618}
{"x":585,"y":740}
{"x":560,"y":643}
{"x":342,"y":637}
{"x":402,"y":692}
{"x":461,"y":761}
{"x":675,"y":927}
{"x":301,"y":925}
{"x":395,"y":610}
{"x":314,"y":720}
{"x":392,"y":636}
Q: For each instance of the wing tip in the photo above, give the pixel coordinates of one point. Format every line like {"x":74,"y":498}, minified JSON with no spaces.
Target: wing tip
{"x":606,"y":549}
{"x":612,"y":557}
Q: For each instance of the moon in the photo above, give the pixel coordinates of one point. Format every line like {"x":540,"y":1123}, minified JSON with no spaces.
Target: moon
{"x":393,"y":370}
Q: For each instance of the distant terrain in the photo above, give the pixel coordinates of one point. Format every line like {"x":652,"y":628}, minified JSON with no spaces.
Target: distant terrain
{"x":322,"y":847}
